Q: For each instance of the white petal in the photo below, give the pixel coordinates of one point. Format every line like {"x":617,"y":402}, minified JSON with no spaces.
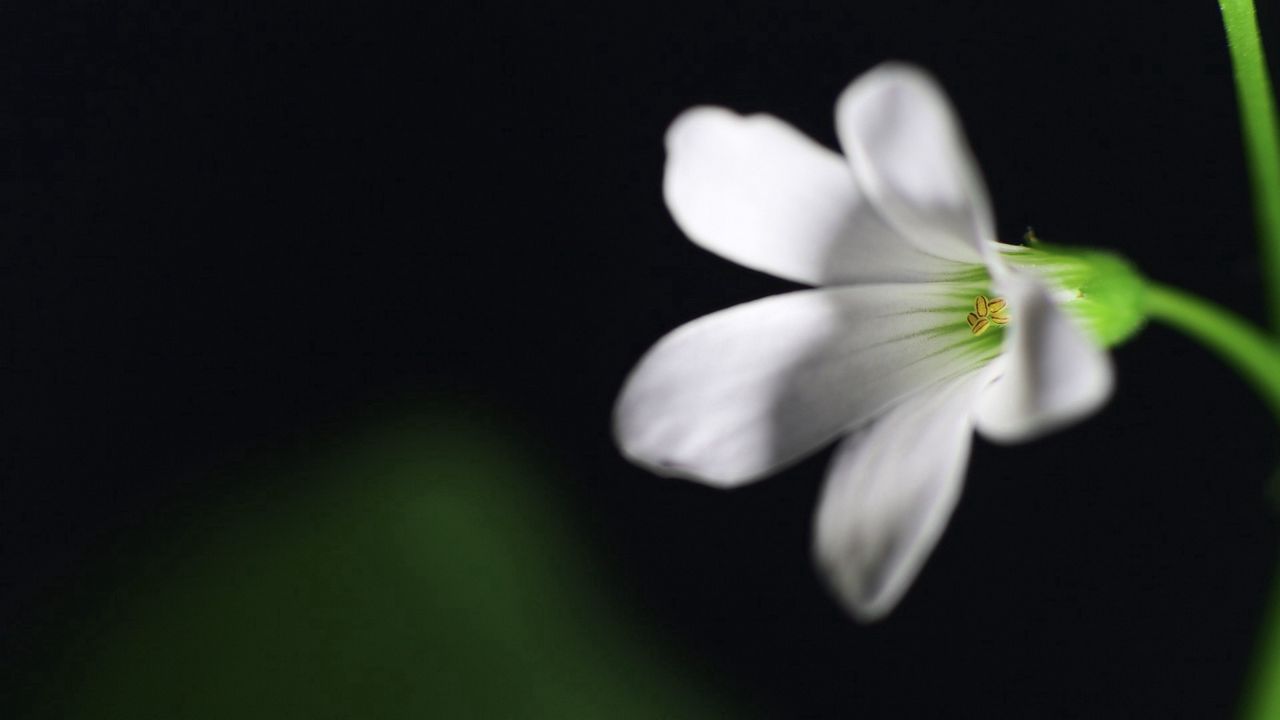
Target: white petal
{"x":889,"y":494}
{"x":758,"y":192}
{"x":1053,"y":374}
{"x":911,"y":159}
{"x":734,"y":395}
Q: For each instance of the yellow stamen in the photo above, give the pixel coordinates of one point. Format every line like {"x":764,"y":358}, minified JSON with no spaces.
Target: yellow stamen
{"x":985,"y":313}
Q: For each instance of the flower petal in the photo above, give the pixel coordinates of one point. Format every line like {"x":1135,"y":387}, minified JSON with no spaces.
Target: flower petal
{"x":889,"y":494}
{"x":734,"y":395}
{"x":910,"y":158}
{"x":1053,"y":374}
{"x":758,"y":192}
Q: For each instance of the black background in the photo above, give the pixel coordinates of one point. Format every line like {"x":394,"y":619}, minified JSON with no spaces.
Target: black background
{"x":223,"y":229}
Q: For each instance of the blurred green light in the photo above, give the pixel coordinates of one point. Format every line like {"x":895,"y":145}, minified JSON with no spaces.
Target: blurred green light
{"x":422,"y":572}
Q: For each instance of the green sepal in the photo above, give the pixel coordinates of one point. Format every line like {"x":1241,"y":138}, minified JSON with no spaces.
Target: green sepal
{"x":1101,"y":289}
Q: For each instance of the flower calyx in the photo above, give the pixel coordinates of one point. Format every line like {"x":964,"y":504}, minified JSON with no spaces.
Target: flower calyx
{"x":1101,"y":289}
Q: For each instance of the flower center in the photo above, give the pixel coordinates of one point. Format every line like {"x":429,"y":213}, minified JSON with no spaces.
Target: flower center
{"x":986,"y":313}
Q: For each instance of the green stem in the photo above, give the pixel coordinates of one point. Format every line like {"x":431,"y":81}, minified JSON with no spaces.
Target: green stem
{"x":1262,"y":692}
{"x":1256,"y":356}
{"x":1258,"y":121}
{"x":1243,"y":346}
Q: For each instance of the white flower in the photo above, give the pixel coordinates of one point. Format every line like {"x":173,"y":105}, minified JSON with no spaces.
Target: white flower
{"x":902,"y":349}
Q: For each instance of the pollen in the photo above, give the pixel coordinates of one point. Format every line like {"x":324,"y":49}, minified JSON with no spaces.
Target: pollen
{"x":986,"y":313}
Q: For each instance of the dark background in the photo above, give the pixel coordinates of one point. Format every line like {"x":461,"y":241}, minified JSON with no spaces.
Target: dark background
{"x":225,"y":229}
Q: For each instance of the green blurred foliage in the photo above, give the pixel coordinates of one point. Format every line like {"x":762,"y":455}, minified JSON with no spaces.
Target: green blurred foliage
{"x":422,"y":571}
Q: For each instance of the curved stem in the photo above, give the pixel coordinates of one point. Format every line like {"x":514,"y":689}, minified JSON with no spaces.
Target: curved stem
{"x":1256,"y":356}
{"x":1262,"y":689}
{"x":1247,"y":353}
{"x":1258,"y":121}
{"x":1249,"y":350}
